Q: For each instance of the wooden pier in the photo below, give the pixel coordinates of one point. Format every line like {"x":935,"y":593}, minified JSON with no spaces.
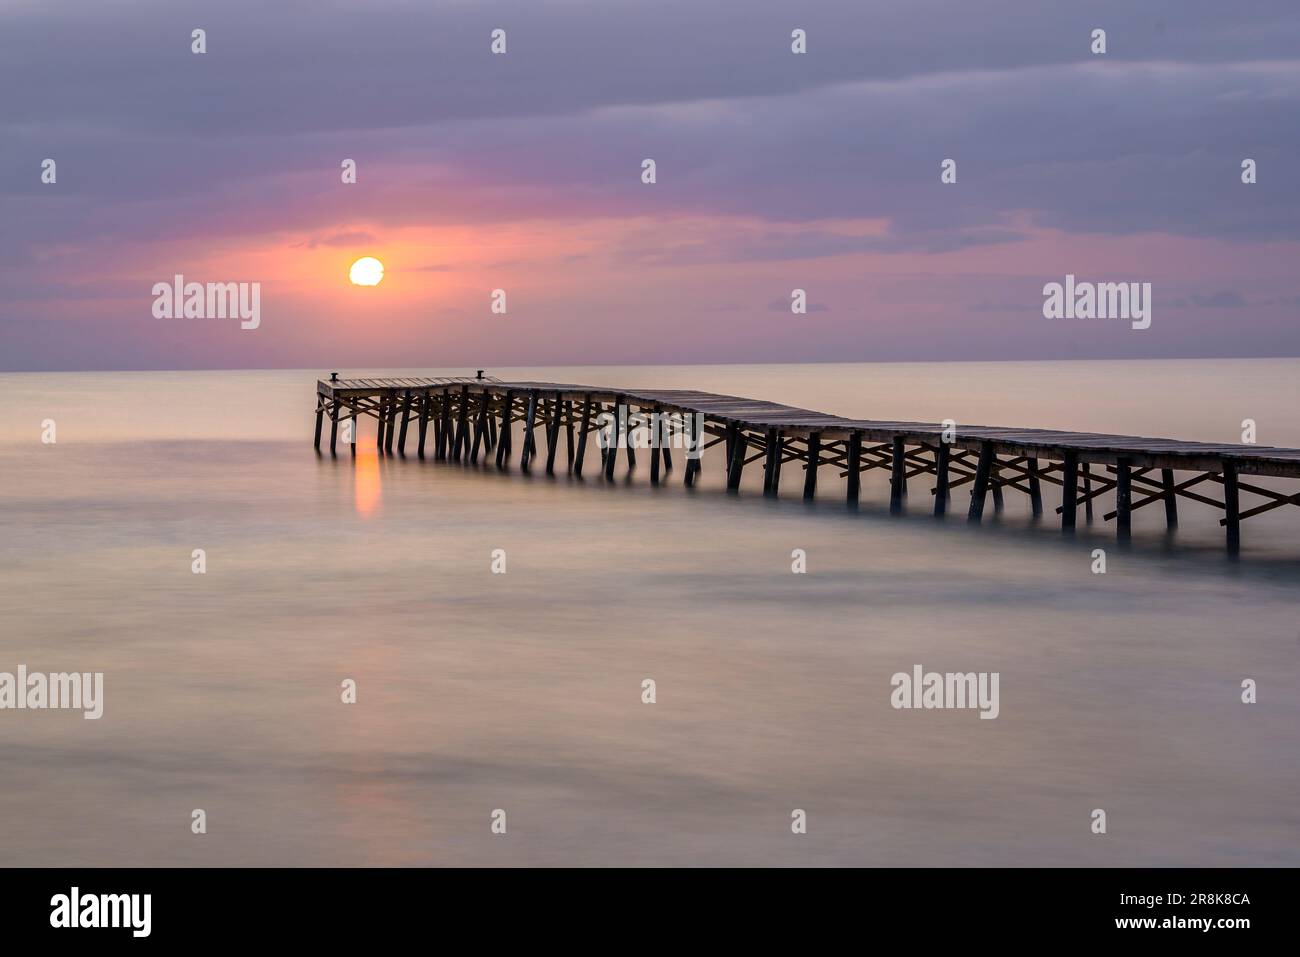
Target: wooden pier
{"x":482,"y":415}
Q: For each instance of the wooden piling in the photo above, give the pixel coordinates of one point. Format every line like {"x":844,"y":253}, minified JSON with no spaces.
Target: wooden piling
{"x":568,"y":432}
{"x":769,"y":461}
{"x":1231,"y":506}
{"x":1087,"y":492}
{"x":320,"y":420}
{"x":854,"y":489}
{"x":611,"y":444}
{"x":443,"y":430}
{"x":530,"y":421}
{"x":391,"y":429}
{"x":814,"y":460}
{"x":480,"y":427}
{"x":334,"y":427}
{"x":382,"y":416}
{"x":1123,"y":498}
{"x":942,"y":456}
{"x":656,"y":451}
{"x":628,"y":437}
{"x":582,"y":434}
{"x":739,"y":447}
{"x":694,"y":449}
{"x":406,"y":417}
{"x":897,"y":474}
{"x":1035,"y":489}
{"x":506,"y":429}
{"x":1170,"y":497}
{"x":553,"y":436}
{"x":982,"y":471}
{"x":1069,"y":489}
{"x":424,"y":424}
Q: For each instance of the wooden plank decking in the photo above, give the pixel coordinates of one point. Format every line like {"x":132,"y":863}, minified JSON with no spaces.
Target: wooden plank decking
{"x":473,"y":413}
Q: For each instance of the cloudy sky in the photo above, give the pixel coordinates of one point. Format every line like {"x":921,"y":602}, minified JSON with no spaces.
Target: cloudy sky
{"x":523,"y":172}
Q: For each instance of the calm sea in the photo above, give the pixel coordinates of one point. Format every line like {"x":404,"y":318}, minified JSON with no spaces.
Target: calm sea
{"x":523,"y":691}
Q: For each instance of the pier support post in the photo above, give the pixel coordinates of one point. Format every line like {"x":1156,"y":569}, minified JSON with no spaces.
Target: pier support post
{"x":553,"y":435}
{"x":942,"y":456}
{"x":663,"y":432}
{"x":814,"y":460}
{"x":334,"y":426}
{"x":392,"y":424}
{"x":769,"y":462}
{"x":629,"y":438}
{"x":505,"y":431}
{"x":1069,"y":489}
{"x":1231,"y":507}
{"x":480,"y":426}
{"x":406,"y":417}
{"x":568,"y":432}
{"x":982,"y":471}
{"x":1123,"y":498}
{"x":424,"y":424}
{"x":738,"y":449}
{"x":897,"y":475}
{"x":1170,"y":496}
{"x":530,"y":440}
{"x":444,"y":426}
{"x":582,"y":435}
{"x":462,"y":425}
{"x":1087,"y":492}
{"x":693,"y":426}
{"x":320,"y":419}
{"x":382,"y":419}
{"x":656,"y":451}
{"x":1035,"y":489}
{"x":354,"y":435}
{"x":995,"y":484}
{"x":854,"y":490}
{"x":611,"y":443}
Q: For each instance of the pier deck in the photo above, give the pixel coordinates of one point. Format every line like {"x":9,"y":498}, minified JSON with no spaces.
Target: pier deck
{"x":469,"y":415}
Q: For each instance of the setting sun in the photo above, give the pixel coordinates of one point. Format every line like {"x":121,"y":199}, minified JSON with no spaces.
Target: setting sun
{"x":366,"y":271}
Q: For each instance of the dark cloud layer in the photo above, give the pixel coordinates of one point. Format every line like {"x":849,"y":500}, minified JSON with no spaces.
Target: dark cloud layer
{"x":156,"y":143}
